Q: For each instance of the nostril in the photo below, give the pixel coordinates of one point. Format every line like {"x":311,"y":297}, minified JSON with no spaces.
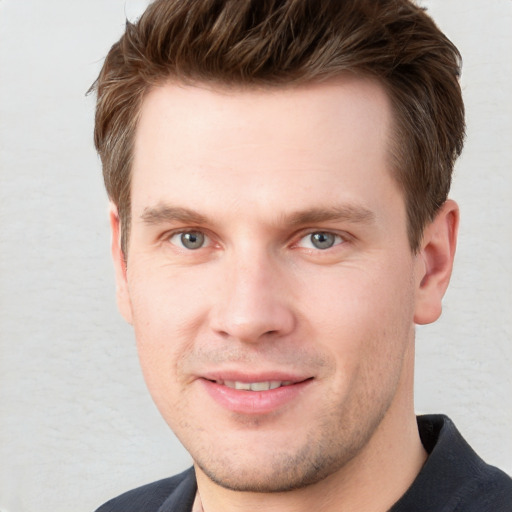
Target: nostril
{"x":248,"y":321}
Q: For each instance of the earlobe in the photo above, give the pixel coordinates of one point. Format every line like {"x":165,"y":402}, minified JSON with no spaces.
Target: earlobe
{"x":434,"y":263}
{"x":123,"y":296}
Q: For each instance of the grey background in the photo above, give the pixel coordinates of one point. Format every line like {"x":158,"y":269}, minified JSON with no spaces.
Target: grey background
{"x":76,"y":423}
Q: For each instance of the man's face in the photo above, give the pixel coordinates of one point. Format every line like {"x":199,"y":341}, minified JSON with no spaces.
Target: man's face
{"x":269,"y":249}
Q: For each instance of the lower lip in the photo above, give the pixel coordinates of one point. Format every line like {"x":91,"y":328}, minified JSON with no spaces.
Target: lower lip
{"x":254,"y":402}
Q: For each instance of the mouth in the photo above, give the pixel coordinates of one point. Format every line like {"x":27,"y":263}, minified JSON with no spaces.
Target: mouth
{"x":254,"y":386}
{"x":256,"y":396}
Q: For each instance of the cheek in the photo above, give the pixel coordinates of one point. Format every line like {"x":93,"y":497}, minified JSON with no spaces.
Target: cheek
{"x":168,"y":311}
{"x":166,"y":301}
{"x":364,"y":319}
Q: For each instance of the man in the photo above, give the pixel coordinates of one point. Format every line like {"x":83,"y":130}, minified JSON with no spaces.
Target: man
{"x":278,"y":174}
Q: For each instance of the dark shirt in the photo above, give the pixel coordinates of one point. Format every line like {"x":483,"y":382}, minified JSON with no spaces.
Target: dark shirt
{"x":453,"y":479}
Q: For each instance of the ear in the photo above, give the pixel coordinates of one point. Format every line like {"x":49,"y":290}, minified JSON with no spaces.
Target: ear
{"x":123,"y":295}
{"x":434,"y":263}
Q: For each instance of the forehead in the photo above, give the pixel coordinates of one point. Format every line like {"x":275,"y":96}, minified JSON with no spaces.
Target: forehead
{"x":276,"y":143}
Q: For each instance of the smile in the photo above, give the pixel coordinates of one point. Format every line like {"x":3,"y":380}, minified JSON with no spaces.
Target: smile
{"x":255,"y":386}
{"x":255,"y":397}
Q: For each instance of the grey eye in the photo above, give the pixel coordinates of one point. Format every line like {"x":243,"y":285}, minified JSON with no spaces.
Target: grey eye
{"x":322,"y":240}
{"x":189,"y":239}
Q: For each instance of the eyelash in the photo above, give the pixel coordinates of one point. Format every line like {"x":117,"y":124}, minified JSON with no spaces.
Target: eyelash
{"x":170,"y":236}
{"x":337,"y":240}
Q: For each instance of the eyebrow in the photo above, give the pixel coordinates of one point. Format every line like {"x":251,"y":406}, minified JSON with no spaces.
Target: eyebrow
{"x":164,"y":213}
{"x":346,"y":213}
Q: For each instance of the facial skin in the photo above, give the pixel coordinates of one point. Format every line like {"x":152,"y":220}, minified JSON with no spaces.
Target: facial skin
{"x":296,"y":267}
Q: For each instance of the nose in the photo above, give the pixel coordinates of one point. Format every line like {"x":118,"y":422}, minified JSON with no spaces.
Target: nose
{"x":253,"y":304}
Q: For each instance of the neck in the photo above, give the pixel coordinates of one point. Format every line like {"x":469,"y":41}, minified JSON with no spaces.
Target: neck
{"x":371,"y":482}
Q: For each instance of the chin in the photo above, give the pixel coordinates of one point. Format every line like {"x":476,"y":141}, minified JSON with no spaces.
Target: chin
{"x":271,"y":481}
{"x":276,"y":472}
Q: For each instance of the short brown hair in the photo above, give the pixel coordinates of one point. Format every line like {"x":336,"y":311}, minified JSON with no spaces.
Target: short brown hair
{"x":278,"y":42}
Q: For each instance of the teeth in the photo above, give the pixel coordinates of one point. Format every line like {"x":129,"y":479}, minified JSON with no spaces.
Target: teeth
{"x":256,"y":386}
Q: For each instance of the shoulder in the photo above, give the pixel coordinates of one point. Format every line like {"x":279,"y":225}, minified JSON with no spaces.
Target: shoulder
{"x":489,"y":490}
{"x":454,"y":478}
{"x":474,"y":485}
{"x":152,"y":497}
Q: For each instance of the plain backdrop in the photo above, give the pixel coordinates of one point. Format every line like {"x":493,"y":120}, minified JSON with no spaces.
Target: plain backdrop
{"x":76,"y":423}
